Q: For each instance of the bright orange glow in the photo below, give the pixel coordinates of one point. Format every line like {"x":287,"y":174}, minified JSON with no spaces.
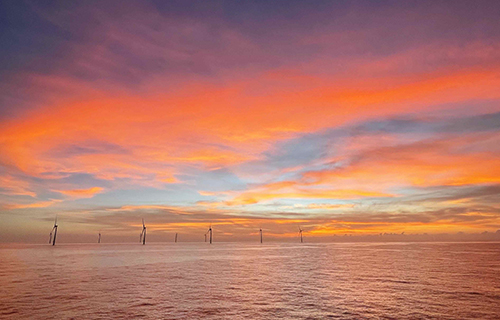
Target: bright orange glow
{"x":255,"y":197}
{"x":82,"y":192}
{"x":42,"y":204}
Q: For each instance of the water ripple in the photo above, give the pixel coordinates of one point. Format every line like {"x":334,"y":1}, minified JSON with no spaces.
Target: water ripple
{"x":246,"y":281}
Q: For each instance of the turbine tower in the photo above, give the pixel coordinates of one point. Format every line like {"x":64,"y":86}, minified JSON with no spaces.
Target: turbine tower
{"x":99,"y":239}
{"x":205,"y":237}
{"x":260,"y":235}
{"x":142,"y":238}
{"x":210,"y":233}
{"x":53,"y":232}
{"x":300,"y":233}
{"x":175,"y":237}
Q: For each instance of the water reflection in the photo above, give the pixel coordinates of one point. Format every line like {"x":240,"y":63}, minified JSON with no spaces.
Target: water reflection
{"x":246,"y":281}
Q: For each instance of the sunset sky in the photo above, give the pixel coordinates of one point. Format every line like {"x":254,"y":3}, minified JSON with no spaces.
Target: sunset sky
{"x":342,"y":117}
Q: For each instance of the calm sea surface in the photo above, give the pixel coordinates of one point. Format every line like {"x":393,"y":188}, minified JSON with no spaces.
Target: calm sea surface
{"x":251,"y":281}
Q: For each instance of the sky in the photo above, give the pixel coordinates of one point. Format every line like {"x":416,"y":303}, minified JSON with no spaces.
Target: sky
{"x":355,"y":118}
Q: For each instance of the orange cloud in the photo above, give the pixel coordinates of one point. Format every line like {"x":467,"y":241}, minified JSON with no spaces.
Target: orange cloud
{"x":252,"y":197}
{"x":41,"y":204}
{"x":13,"y":186}
{"x":82,"y":193}
{"x":342,"y":227}
{"x":428,"y":163}
{"x":328,"y":206}
{"x":174,"y":128}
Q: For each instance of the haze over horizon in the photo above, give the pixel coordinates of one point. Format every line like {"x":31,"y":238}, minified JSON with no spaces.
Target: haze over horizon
{"x":340,"y":117}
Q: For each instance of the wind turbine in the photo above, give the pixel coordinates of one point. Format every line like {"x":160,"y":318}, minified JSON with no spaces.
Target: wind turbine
{"x":175,"y":238}
{"x":54,"y":231}
{"x":300,"y":233}
{"x":99,"y":239}
{"x":205,"y":237}
{"x":142,"y":238}
{"x":210,"y":232}
{"x":260,"y":235}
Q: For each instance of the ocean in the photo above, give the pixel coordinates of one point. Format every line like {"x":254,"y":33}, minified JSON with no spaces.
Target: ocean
{"x":251,"y":281}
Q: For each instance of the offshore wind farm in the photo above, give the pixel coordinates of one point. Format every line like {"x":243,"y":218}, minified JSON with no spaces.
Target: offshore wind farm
{"x":277,"y":159}
{"x":142,"y":236}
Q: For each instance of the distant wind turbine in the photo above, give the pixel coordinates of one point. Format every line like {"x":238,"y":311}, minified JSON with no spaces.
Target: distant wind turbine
{"x":53,"y":232}
{"x":260,"y":235}
{"x":142,"y":238}
{"x":99,"y":239}
{"x":300,"y":233}
{"x":175,"y":238}
{"x":210,"y":233}
{"x":205,"y":237}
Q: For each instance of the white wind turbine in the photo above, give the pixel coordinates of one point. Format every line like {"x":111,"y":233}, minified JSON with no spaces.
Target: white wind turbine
{"x":53,"y":232}
{"x":142,"y":238}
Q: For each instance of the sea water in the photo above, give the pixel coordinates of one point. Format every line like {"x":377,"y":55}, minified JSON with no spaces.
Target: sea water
{"x":251,"y":281}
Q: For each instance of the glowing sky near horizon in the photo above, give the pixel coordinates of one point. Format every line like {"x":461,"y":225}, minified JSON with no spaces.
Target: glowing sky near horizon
{"x":345,"y":117}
